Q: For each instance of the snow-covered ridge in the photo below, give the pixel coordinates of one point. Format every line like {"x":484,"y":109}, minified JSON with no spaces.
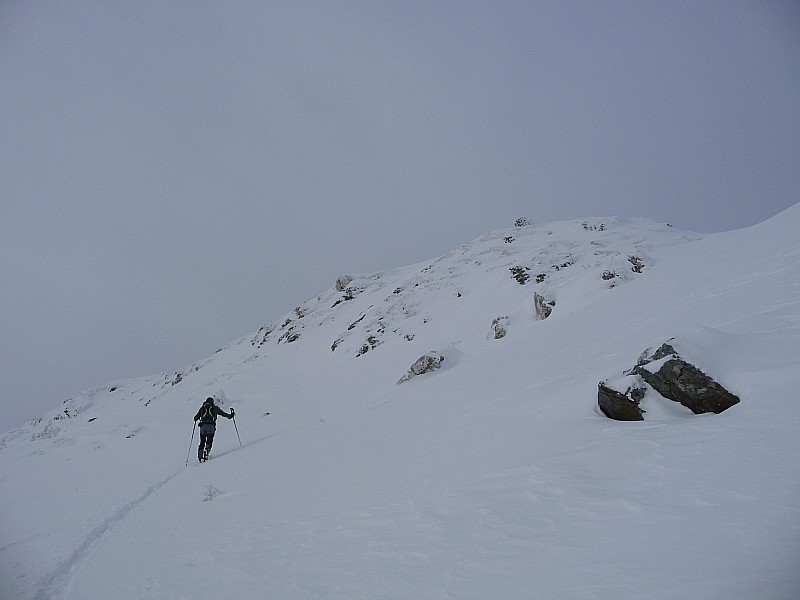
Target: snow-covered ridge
{"x":515,"y":263}
{"x":497,"y":276}
{"x":491,"y":476}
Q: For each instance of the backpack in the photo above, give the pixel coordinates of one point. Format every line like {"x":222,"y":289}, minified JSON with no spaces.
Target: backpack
{"x":208,"y":413}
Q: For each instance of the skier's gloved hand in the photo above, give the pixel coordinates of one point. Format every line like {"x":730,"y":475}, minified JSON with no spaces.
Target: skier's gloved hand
{"x":232,"y":412}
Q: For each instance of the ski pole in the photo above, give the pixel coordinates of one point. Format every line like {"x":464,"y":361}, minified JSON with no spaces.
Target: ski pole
{"x":237,"y":431}
{"x":191,"y":444}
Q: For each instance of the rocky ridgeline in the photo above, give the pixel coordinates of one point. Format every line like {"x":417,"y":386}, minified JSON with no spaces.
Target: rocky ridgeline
{"x":537,"y":262}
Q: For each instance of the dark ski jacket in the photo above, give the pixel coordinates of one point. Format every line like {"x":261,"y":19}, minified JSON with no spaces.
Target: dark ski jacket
{"x":217,"y":411}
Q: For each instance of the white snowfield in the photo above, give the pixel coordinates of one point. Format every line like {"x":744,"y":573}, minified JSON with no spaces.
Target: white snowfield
{"x":493,"y":477}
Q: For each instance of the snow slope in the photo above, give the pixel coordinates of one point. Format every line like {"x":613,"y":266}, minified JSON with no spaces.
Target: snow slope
{"x":492,"y":477}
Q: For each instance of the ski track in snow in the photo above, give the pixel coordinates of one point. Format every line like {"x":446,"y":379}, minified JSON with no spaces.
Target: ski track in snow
{"x":56,"y":585}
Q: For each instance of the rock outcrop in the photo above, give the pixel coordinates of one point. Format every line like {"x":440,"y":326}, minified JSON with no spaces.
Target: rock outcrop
{"x":618,"y":406}
{"x":543,"y":306}
{"x":424,"y":364}
{"x":499,"y":328}
{"x":342,"y":282}
{"x":666,"y":374}
{"x":678,"y":380}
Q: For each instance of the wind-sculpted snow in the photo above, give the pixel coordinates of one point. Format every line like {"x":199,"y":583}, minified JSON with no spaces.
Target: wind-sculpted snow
{"x":493,"y":476}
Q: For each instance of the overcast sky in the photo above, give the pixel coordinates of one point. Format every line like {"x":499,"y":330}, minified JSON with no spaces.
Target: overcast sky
{"x":175,"y":174}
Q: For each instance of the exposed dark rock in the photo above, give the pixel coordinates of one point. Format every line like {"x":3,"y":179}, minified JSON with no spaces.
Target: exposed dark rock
{"x":289,"y":336}
{"x":356,"y":322}
{"x":663,"y":351}
{"x":371,"y":343}
{"x":564,"y":265}
{"x":519,"y":273}
{"x":665,"y":373}
{"x":637,"y":265}
{"x":683,"y":382}
{"x":261,"y":336}
{"x":618,"y":406}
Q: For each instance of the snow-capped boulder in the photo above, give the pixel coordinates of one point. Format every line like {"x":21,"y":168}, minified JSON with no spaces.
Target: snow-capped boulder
{"x":424,"y":364}
{"x":674,"y":378}
{"x":665,"y":375}
{"x":499,"y":328}
{"x":342,"y":282}
{"x":543,"y":306}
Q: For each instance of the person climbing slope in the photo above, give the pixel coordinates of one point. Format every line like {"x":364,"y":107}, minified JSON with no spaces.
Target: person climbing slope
{"x":207,"y":418}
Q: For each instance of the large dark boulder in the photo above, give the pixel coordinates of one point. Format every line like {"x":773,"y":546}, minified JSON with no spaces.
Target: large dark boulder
{"x":666,"y":374}
{"x":618,"y":406}
{"x":682,"y":382}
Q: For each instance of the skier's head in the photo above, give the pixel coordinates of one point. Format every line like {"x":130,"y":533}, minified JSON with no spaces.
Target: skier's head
{"x":209,"y":400}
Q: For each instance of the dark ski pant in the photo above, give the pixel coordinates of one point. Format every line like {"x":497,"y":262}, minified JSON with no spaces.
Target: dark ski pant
{"x":207,"y":431}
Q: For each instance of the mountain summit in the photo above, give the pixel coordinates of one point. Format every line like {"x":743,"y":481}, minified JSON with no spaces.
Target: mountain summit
{"x":432,"y":431}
